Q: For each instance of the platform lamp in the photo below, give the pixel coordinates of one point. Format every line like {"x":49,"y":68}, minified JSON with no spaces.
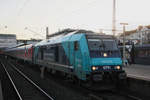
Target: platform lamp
{"x":124,"y":39}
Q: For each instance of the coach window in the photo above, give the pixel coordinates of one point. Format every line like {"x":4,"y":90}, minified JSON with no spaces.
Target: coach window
{"x":76,"y":45}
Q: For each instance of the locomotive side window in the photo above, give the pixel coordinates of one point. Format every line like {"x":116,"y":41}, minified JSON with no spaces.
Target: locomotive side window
{"x":76,"y":45}
{"x":49,"y":54}
{"x":40,"y":54}
{"x":56,"y":54}
{"x":63,"y":59}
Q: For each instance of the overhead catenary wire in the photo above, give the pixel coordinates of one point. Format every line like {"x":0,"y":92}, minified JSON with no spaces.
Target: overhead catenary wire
{"x":23,"y":6}
{"x":76,"y":11}
{"x":34,"y":32}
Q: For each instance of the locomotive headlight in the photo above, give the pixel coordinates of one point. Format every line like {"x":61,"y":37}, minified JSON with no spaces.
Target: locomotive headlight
{"x":94,"y":68}
{"x":105,"y":54}
{"x":117,"y":67}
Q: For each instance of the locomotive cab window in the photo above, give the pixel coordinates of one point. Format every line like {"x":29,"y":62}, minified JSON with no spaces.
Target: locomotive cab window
{"x":76,"y":45}
{"x":99,"y":46}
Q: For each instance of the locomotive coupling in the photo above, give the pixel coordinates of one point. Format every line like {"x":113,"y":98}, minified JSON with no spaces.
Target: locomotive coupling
{"x":122,"y":75}
{"x":97,"y":77}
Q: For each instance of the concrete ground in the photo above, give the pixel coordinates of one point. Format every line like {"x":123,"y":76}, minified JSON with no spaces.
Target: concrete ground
{"x":138,"y":71}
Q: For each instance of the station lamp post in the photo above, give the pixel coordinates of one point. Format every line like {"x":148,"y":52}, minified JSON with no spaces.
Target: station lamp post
{"x":124,"y":39}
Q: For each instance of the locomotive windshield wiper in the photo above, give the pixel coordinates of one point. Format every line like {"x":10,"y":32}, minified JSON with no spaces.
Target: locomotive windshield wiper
{"x":102,"y":44}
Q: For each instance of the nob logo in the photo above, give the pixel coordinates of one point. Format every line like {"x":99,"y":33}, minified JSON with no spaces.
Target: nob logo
{"x":106,"y":67}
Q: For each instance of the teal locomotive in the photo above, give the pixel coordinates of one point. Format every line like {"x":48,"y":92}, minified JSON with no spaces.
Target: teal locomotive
{"x":84,"y":56}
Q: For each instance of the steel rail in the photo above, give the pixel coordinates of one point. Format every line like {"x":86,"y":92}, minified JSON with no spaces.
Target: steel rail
{"x":98,"y":97}
{"x":95,"y":96}
{"x":133,"y":97}
{"x":28,"y":79}
{"x":12,"y":81}
{"x":127,"y":95}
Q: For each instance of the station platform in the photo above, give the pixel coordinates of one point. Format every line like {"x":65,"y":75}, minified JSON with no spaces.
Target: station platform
{"x":137,"y":71}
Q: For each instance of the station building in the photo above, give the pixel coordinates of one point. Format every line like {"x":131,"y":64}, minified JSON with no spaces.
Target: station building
{"x":31,"y":41}
{"x":7,"y":40}
{"x":141,"y":35}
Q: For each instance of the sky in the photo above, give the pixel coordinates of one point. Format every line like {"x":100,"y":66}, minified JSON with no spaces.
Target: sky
{"x":29,"y":18}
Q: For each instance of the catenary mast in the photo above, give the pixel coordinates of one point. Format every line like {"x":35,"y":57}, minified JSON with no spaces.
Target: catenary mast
{"x":114,"y":18}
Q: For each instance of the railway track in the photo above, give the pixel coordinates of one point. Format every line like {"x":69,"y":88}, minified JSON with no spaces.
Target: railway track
{"x":97,"y":95}
{"x":7,"y":88}
{"x":24,"y":87}
{"x":113,"y":95}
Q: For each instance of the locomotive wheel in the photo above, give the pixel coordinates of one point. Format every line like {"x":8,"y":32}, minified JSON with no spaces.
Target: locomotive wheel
{"x":49,"y":70}
{"x":88,"y":84}
{"x":85,"y":84}
{"x":53,"y":71}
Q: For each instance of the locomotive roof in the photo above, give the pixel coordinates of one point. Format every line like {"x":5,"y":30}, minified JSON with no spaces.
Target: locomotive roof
{"x":67,"y":31}
{"x":55,"y":39}
{"x":58,"y":37}
{"x":89,"y":35}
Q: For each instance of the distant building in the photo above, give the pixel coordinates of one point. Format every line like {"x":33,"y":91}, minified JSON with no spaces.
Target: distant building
{"x":7,"y":40}
{"x":138,"y":36}
{"x":145,"y":35}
